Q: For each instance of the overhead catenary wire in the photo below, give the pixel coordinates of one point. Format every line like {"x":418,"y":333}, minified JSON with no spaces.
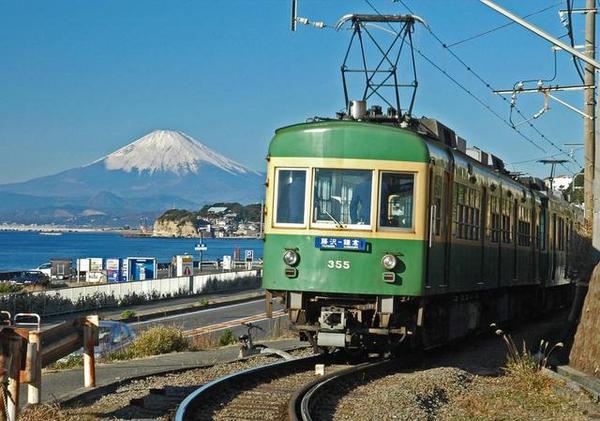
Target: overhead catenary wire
{"x":466,"y":90}
{"x":487,"y":85}
{"x":496,"y":28}
{"x":479,"y":100}
{"x":472,"y":95}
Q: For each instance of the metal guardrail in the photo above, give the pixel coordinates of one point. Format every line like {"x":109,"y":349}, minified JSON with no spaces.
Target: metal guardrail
{"x":26,"y":349}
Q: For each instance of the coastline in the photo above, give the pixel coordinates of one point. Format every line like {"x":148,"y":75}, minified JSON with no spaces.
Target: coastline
{"x":136,"y":233}
{"x":59,"y":228}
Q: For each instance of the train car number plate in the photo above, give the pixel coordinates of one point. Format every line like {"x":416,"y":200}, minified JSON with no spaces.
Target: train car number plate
{"x":336,"y":243}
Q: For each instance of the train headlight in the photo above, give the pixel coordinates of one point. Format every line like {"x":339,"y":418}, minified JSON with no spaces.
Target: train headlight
{"x":291,"y":258}
{"x":389,"y":261}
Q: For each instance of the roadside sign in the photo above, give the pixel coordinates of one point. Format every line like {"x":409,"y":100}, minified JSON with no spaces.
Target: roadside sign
{"x":185,"y":265}
{"x":83,"y":265}
{"x":226,"y":262}
{"x":249,"y":254}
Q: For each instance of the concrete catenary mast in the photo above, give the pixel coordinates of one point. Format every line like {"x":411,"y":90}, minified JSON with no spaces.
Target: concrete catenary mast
{"x":592,"y":152}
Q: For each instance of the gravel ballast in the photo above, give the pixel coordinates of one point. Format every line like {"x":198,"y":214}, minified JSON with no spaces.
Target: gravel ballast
{"x":134,"y":400}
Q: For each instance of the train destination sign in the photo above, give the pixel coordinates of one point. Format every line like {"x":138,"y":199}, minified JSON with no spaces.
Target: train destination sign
{"x":334,"y":243}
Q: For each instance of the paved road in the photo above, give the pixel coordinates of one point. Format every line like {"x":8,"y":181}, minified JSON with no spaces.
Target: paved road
{"x":150,"y":307}
{"x":219,"y":318}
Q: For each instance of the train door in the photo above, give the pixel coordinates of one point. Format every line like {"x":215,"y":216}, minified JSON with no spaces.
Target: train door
{"x":543,"y":242}
{"x":553,"y":250}
{"x":515,"y":218}
{"x":492,"y":238}
{"x":437,"y":274}
{"x":507,"y":251}
{"x":535,"y":232}
{"x":482,"y":235}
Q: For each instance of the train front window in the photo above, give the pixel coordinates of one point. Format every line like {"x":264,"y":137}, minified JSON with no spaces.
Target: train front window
{"x":291,"y":193}
{"x":342,"y":197}
{"x":396,"y":200}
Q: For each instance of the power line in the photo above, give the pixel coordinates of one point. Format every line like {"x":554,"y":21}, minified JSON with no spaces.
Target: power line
{"x":487,"y":84}
{"x":572,"y":39}
{"x":471,"y":94}
{"x":479,"y":100}
{"x":489,"y":31}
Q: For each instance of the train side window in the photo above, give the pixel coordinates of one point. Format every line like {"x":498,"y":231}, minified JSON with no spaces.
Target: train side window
{"x":524,"y":227}
{"x":291,"y":195}
{"x":561,"y":234}
{"x":506,"y":217}
{"x":494,"y":220}
{"x":542,"y":230}
{"x":467,"y":212}
{"x":396,"y":200}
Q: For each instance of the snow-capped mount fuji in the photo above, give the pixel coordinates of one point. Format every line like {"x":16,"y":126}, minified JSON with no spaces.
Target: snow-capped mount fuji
{"x":158,"y":171}
{"x":168,"y":151}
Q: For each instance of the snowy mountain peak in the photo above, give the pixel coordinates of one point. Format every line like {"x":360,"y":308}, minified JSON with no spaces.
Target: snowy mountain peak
{"x":168,"y":151}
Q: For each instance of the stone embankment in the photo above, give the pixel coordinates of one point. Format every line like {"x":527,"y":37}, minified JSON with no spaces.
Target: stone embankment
{"x":585,"y":354}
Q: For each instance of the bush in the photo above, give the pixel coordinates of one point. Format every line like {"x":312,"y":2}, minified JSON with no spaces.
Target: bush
{"x":158,"y":340}
{"x":8,"y":288}
{"x":203,"y":302}
{"x":127,"y":314}
{"x":226,"y":338}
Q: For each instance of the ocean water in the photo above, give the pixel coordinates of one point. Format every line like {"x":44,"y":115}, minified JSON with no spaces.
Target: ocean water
{"x":26,"y":250}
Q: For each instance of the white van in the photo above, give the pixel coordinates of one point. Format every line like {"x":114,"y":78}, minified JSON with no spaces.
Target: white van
{"x":45,"y":268}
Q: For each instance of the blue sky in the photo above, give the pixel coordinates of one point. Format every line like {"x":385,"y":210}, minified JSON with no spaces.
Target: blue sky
{"x":81,"y":79}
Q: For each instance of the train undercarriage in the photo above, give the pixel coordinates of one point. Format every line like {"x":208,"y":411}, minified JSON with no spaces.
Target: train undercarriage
{"x":376,"y":323}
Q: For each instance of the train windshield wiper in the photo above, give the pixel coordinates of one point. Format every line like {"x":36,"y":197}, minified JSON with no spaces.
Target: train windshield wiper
{"x":338,"y":223}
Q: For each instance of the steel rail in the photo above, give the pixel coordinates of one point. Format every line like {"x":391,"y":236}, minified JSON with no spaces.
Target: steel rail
{"x":193,"y":400}
{"x":302,"y":402}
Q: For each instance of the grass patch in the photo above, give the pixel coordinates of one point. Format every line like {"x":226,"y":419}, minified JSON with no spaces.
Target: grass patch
{"x":524,"y":392}
{"x":203,"y":302}
{"x":204,"y":342}
{"x":514,"y":397}
{"x":70,"y":361}
{"x":156,"y":340}
{"x":43,"y":411}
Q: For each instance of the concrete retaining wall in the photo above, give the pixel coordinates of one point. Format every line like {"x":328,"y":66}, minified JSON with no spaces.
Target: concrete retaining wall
{"x":166,"y":286}
{"x":88,"y":297}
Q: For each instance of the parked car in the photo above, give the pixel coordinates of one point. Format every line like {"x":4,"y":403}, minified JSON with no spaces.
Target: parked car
{"x":30,"y":277}
{"x":45,"y":268}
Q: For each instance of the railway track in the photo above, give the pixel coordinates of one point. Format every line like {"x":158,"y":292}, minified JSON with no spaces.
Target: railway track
{"x":279,"y":391}
{"x":317,"y":400}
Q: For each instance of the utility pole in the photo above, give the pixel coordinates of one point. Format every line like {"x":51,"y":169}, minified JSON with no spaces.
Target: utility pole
{"x":592,"y":153}
{"x":590,"y":199}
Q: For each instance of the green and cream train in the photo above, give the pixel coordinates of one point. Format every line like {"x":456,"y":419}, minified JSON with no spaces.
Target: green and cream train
{"x":375,"y":234}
